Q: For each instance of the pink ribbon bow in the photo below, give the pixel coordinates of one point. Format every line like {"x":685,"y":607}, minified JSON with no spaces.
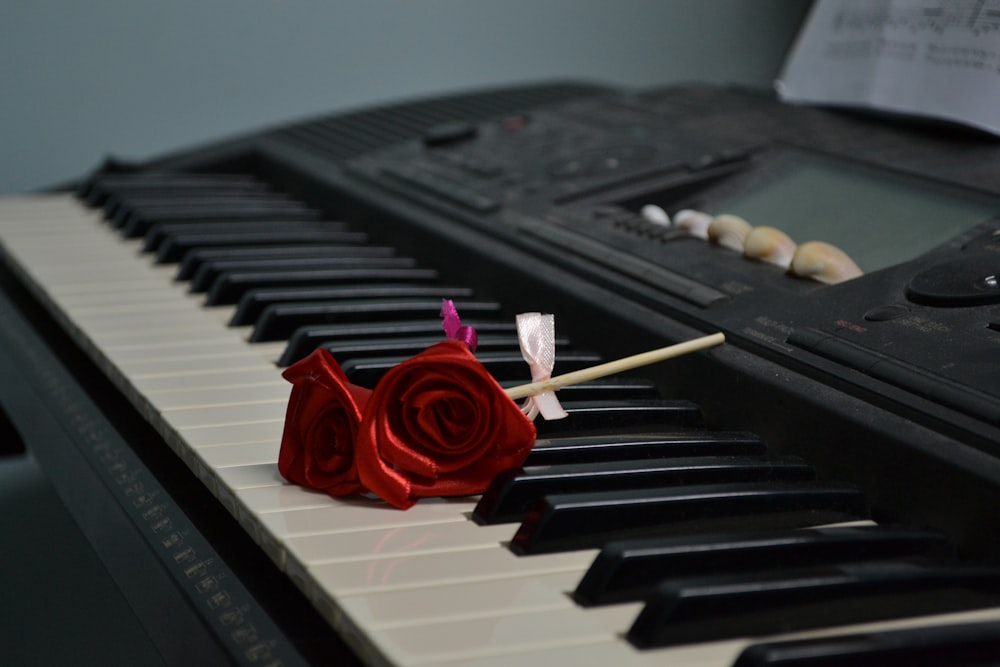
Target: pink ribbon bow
{"x":453,"y":327}
{"x":536,"y":334}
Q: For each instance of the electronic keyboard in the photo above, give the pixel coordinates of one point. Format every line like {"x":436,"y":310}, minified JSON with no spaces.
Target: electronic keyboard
{"x":822,"y":487}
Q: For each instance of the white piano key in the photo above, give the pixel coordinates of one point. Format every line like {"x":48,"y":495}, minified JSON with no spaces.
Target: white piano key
{"x":326,"y":548}
{"x":152,"y":320}
{"x":250,"y":476}
{"x":285,"y":498}
{"x":447,"y":602}
{"x":224,"y":395}
{"x":66,"y":276}
{"x":48,"y":206}
{"x":430,"y":644}
{"x":161,"y":294}
{"x":228,"y":456}
{"x":211,"y":436}
{"x":437,"y":569}
{"x":361,"y":514}
{"x":604,"y":651}
{"x":142,"y":333}
{"x":190,"y":390}
{"x":226,"y":415}
{"x":136,"y":307}
{"x":104,"y":277}
{"x":206,"y":364}
{"x":222,"y":344}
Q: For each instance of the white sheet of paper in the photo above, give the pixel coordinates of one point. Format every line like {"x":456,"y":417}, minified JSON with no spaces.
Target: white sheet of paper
{"x":934,"y":58}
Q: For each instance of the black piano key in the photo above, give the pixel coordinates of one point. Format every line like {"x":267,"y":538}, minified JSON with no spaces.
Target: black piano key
{"x":608,"y":389}
{"x":306,"y":339}
{"x":118,"y":210}
{"x":163,"y":232}
{"x":211,"y":271}
{"x":619,"y":416}
{"x":173,"y":249}
{"x":627,"y":570}
{"x":193,"y":260}
{"x":145,"y":222}
{"x":280,"y":321}
{"x":621,"y":446}
{"x":746,"y":605}
{"x":501,"y":365}
{"x":958,"y":645}
{"x":96,"y":190}
{"x":513,"y":492}
{"x":345,"y":352}
{"x":589,"y":520}
{"x":253,"y":302}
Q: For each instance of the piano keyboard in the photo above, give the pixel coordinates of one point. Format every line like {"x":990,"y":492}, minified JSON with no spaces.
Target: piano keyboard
{"x":438,"y":584}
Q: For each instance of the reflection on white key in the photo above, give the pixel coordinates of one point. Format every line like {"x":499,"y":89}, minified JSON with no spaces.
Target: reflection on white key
{"x":211,"y":436}
{"x":284,"y":498}
{"x":448,"y":602}
{"x":327,"y":548}
{"x":436,"y":569}
{"x":244,"y":454}
{"x":351,"y":514}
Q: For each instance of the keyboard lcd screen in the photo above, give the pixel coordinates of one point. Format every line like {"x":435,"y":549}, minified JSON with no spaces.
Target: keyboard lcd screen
{"x":879,"y":222}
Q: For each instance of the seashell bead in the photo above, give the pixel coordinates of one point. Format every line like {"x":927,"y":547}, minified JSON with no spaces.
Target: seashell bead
{"x":693,"y":222}
{"x":729,"y":231}
{"x":770,"y":245}
{"x":824,"y":263}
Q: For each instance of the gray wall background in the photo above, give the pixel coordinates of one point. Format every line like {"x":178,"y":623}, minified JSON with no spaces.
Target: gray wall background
{"x":80,"y":80}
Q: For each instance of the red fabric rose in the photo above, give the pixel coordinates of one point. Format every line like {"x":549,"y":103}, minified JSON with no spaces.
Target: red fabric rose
{"x":439,"y":425}
{"x":321,"y":425}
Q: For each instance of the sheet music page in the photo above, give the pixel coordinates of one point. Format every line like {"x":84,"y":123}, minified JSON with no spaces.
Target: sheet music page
{"x":933,"y":58}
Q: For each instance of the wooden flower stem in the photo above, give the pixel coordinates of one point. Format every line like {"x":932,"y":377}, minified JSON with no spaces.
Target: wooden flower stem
{"x":618,"y":366}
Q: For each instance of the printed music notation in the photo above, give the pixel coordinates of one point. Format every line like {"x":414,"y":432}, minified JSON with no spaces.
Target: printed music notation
{"x":975,"y":16}
{"x":933,"y":58}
